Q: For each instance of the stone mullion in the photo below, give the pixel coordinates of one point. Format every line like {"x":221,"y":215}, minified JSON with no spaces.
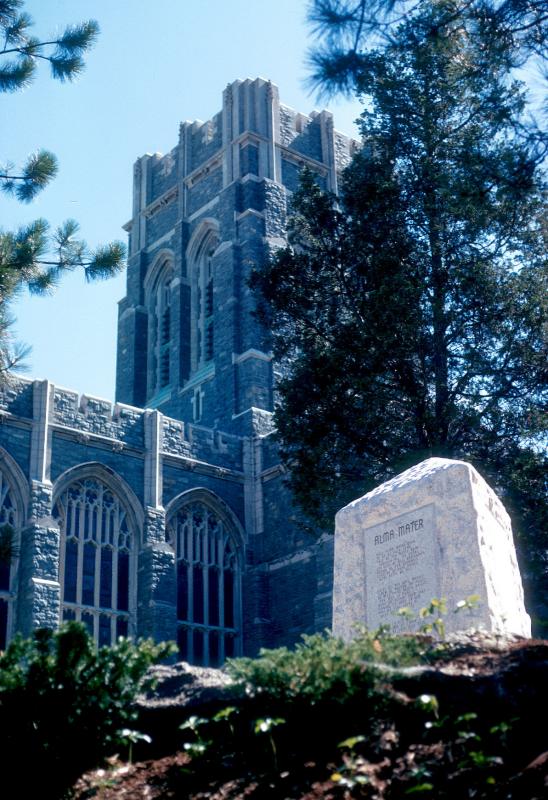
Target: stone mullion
{"x":115,"y":575}
{"x":190,"y":611}
{"x":238,"y":614}
{"x":99,"y":542}
{"x":220,"y":579}
{"x":81,"y":510}
{"x":205,"y":585}
{"x":62,"y":567}
{"x":8,"y":595}
{"x":222,"y":636}
{"x":97,"y":572}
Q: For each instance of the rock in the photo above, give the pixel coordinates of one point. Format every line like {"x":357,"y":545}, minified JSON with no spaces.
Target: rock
{"x":437,"y":530}
{"x":182,"y":685}
{"x":180,"y":691}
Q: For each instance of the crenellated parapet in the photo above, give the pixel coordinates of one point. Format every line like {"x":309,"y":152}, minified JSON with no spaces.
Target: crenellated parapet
{"x":16,"y":397}
{"x":53,"y":412}
{"x":194,"y":441}
{"x":93,"y":415}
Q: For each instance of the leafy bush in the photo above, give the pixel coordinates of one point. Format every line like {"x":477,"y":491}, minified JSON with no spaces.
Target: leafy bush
{"x":63,"y":704}
{"x":322,"y":667}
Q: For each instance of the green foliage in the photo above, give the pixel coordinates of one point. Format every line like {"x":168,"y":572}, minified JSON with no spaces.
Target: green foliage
{"x":131,"y":737}
{"x":328,"y":703}
{"x":479,"y":751}
{"x":469,"y":603}
{"x":266,"y":726}
{"x":323,"y":669}
{"x":65,"y":705}
{"x":24,"y":259}
{"x":345,"y":27}
{"x":21,"y":51}
{"x":199,"y":745}
{"x":454,"y":756}
{"x":284,"y":698}
{"x":40,"y":168}
{"x":409,"y":318}
{"x":19,"y":57}
{"x":435,"y":612}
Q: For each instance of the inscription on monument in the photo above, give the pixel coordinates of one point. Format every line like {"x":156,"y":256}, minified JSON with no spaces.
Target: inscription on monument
{"x":400,"y":567}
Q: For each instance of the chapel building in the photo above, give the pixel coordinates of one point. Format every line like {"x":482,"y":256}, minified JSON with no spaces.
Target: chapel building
{"x":166,"y":514}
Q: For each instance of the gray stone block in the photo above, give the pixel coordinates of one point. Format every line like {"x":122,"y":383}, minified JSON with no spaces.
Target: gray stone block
{"x":437,"y":530}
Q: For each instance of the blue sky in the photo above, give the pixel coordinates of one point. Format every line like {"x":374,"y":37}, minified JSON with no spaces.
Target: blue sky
{"x":155,"y":64}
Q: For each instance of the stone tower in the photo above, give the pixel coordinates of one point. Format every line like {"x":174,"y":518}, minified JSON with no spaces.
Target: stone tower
{"x":203,"y":216}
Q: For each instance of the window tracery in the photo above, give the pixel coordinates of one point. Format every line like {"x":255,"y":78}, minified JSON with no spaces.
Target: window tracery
{"x":208,"y":585}
{"x":97,"y":554}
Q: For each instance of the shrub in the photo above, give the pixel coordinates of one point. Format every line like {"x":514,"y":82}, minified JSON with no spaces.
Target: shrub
{"x":322,"y":667}
{"x":63,"y":704}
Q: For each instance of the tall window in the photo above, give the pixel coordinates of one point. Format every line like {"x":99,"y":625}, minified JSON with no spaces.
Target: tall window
{"x":97,"y":551}
{"x":162,"y":329}
{"x":8,"y":554}
{"x":205,"y":348}
{"x":208,"y":585}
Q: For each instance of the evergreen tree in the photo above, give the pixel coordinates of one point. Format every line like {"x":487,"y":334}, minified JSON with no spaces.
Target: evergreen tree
{"x":32,"y":256}
{"x":519,"y":28}
{"x":410,"y":316}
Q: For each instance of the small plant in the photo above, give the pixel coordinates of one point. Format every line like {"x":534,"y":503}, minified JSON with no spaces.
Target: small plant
{"x":266,"y":726}
{"x":428,"y":703}
{"x":129,"y":737}
{"x":348,"y":774}
{"x":469,"y":603}
{"x":437,"y":608}
{"x":200,"y":745}
{"x":226,"y":715}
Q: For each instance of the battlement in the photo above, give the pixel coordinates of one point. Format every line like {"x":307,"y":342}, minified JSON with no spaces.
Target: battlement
{"x":94,"y":419}
{"x":16,"y":397}
{"x":93,"y":415}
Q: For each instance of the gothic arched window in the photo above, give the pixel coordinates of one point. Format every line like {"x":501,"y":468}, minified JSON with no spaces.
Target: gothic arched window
{"x":97,"y":555}
{"x":208,"y":585}
{"x":204,"y":318}
{"x":161,"y":329}
{"x":9,"y":524}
